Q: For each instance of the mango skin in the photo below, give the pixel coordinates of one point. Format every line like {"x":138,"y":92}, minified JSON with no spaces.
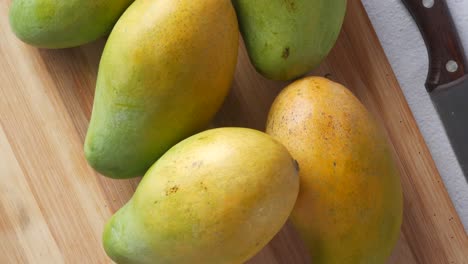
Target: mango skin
{"x":62,"y":24}
{"x":349,"y":208}
{"x":164,"y":73}
{"x":217,"y":197}
{"x":287,"y":38}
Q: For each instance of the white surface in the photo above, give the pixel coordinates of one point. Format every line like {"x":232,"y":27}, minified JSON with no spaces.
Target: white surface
{"x":407,"y":53}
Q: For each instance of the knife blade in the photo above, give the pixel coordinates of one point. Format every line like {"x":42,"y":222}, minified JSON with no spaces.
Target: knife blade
{"x":447,"y":80}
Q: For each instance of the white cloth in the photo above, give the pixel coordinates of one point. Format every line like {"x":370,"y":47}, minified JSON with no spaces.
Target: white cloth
{"x":407,"y":53}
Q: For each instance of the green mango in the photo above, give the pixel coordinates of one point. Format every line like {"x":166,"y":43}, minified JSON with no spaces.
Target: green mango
{"x":63,"y":24}
{"x":164,"y":73}
{"x":288,"y":38}
{"x":217,"y":197}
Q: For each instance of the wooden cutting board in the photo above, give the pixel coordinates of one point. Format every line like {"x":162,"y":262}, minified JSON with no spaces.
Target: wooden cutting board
{"x":53,"y":205}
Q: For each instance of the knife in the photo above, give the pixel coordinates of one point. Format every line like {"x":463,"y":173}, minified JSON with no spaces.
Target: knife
{"x":447,"y":81}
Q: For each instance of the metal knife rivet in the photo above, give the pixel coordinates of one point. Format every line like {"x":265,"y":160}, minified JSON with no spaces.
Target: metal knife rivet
{"x":451,"y":66}
{"x":428,"y":3}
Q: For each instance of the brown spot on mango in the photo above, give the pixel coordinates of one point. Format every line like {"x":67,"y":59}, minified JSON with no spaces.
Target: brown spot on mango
{"x":172,"y":190}
{"x":285,"y":54}
{"x":290,"y":5}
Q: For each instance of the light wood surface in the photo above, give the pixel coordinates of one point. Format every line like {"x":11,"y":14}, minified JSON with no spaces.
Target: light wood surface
{"x":53,"y":205}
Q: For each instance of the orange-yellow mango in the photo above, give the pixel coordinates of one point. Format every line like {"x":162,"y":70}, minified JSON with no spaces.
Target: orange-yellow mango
{"x":349,"y":208}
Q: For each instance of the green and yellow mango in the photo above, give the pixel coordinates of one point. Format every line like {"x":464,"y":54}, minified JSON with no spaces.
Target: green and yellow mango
{"x":217,"y":197}
{"x":288,"y":38}
{"x":165,"y":71}
{"x":63,"y":24}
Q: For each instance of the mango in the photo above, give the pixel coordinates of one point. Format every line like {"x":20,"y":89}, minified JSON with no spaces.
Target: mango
{"x":217,"y":197}
{"x":63,"y":24}
{"x":349,"y":208}
{"x":287,"y":38}
{"x":163,"y":75}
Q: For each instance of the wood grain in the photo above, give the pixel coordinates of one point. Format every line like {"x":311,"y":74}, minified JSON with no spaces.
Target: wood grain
{"x":53,"y":205}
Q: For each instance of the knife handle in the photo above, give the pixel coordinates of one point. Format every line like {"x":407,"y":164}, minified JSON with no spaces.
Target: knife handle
{"x":447,"y":61}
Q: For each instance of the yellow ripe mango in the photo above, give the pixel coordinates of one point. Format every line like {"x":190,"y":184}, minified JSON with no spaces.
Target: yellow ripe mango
{"x":349,"y":208}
